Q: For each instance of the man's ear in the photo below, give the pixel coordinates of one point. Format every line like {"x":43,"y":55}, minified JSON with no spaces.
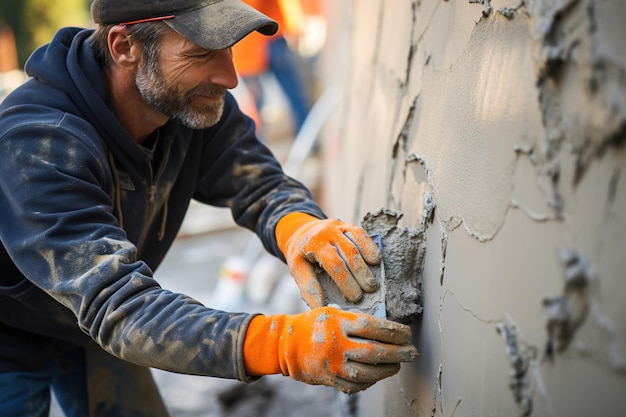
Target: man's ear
{"x":123,"y":50}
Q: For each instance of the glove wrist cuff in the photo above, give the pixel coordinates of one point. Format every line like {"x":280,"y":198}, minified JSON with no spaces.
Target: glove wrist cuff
{"x":260,"y":346}
{"x":287,"y":225}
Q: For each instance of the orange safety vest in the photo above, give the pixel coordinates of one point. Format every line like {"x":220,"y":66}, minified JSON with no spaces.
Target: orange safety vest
{"x":250,"y":54}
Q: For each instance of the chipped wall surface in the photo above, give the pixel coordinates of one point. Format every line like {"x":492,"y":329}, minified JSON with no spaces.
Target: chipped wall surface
{"x":509,"y":117}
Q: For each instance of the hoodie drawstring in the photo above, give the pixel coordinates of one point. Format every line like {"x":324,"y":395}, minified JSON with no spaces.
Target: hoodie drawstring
{"x":117,"y":192}
{"x":161,"y":234}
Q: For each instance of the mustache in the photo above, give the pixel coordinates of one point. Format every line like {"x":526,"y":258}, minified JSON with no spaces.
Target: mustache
{"x":210,"y":90}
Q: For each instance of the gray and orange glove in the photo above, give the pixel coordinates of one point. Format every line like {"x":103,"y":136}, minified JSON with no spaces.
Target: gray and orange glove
{"x":326,"y":346}
{"x":343,"y":250}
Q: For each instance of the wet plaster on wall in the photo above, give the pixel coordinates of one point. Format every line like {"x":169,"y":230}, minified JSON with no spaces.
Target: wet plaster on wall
{"x":579,"y":60}
{"x":574,"y":67}
{"x":566,"y":312}
{"x":484,"y":281}
{"x":403,"y":251}
{"x":412,"y":175}
{"x":399,"y":274}
{"x":348,"y":64}
{"x":498,"y":106}
{"x":481,"y":374}
{"x":599,"y":242}
{"x":389,"y":69}
{"x":501,"y":116}
{"x":427,"y":132}
{"x":520,"y":358}
{"x":583,"y":319}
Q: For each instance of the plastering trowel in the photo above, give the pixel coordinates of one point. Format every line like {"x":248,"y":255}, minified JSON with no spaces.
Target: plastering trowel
{"x":372,"y":303}
{"x":399,"y":273}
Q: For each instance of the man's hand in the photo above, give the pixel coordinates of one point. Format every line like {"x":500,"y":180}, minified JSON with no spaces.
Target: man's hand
{"x":343,"y":250}
{"x":326,"y":346}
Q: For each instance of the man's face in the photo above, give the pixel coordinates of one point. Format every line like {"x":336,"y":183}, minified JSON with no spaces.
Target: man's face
{"x":186,"y":82}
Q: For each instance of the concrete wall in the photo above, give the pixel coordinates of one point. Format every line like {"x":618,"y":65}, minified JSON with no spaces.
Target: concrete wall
{"x":510,"y":117}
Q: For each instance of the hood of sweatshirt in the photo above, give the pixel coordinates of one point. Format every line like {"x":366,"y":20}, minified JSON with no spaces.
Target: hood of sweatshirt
{"x":68,"y":66}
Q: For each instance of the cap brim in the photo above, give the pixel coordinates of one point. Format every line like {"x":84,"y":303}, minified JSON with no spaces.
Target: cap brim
{"x":221,"y":24}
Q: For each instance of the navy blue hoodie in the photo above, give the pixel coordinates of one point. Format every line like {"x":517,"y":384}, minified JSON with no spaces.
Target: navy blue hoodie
{"x":88,"y":215}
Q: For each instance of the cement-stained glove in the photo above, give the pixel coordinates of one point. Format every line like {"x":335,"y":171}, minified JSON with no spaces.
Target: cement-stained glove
{"x":343,"y":250}
{"x":326,"y":346}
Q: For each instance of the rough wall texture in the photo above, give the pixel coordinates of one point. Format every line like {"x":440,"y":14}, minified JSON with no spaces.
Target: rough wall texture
{"x":510,"y":118}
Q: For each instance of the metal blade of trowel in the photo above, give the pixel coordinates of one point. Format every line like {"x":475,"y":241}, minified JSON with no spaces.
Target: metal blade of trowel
{"x":372,"y":303}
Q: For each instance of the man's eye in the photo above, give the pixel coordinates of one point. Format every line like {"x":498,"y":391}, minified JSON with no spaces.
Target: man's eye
{"x":205,"y":55}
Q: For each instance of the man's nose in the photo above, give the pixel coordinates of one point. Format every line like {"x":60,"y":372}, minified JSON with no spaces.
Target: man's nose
{"x":224,"y":73}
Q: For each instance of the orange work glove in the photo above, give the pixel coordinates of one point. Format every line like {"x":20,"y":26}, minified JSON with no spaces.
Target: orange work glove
{"x":343,"y":250}
{"x":326,"y":346}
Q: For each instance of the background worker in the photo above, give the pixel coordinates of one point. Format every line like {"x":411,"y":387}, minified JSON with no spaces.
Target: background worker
{"x":256,"y":56}
{"x":101,"y":152}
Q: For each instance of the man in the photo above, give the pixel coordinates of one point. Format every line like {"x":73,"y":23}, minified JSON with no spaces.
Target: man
{"x":100,"y":153}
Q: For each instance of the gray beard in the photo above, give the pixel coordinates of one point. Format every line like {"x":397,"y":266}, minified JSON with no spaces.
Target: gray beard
{"x":169,"y":101}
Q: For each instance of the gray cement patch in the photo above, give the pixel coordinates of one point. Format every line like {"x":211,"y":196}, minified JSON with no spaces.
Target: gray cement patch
{"x":399,"y":273}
